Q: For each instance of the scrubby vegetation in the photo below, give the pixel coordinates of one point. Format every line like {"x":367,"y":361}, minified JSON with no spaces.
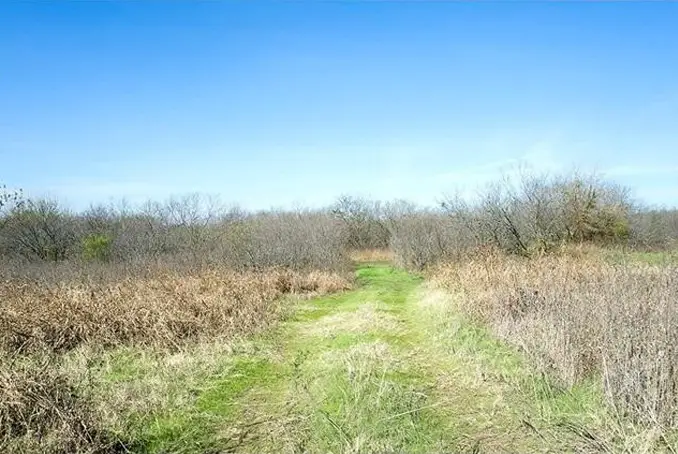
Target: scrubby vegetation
{"x":187,"y":232}
{"x":568,"y":269}
{"x":533,"y":214}
{"x":579,"y":277}
{"x":582,"y":318}
{"x":161,"y":278}
{"x":163,"y":310}
{"x":46,"y":409}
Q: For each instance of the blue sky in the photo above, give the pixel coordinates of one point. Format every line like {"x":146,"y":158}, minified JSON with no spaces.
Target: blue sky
{"x":275,"y":104}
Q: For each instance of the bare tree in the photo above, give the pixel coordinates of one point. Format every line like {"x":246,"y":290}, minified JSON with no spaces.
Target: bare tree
{"x":364,"y":221}
{"x":40,"y":229}
{"x":9,"y":201}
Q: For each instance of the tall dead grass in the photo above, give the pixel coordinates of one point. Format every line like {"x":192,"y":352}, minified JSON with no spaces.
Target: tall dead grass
{"x":44,"y":409}
{"x":372,"y":255}
{"x":580,"y":317}
{"x":160,"y":311}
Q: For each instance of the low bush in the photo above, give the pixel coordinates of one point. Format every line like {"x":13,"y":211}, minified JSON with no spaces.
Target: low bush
{"x":97,"y":247}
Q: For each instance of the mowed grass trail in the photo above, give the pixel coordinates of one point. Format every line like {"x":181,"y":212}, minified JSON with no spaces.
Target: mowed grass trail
{"x":388,"y":367}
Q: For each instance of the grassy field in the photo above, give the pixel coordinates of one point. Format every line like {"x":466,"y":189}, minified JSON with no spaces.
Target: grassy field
{"x":392,"y":366}
{"x":467,"y":361}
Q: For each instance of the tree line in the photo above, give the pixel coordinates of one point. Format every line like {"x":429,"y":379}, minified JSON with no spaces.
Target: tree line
{"x":521,"y":215}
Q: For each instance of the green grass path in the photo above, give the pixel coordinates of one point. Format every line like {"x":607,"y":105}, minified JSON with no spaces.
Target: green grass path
{"x":387,"y":367}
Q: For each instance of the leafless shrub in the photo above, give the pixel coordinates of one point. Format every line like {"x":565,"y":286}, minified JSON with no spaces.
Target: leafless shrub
{"x":541,"y":212}
{"x":422,"y":238}
{"x":181,"y":228}
{"x":654,"y":229}
{"x":39,"y":229}
{"x":365,"y":222}
{"x":189,"y":232}
{"x":302,"y":240}
{"x":524,"y":215}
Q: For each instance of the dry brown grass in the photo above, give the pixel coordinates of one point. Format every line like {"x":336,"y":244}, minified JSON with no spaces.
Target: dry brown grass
{"x":43,"y":408}
{"x":372,"y":255}
{"x":580,"y":317}
{"x":161,"y":311}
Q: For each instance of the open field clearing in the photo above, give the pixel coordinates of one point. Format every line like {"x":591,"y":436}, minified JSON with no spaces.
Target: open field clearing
{"x":343,"y":227}
{"x":416,"y":377}
{"x":540,"y":319}
{"x":396,"y":365}
{"x":77,"y":357}
{"x":487,"y":356}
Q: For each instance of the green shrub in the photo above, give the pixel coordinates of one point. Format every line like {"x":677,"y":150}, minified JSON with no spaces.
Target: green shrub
{"x":97,"y":247}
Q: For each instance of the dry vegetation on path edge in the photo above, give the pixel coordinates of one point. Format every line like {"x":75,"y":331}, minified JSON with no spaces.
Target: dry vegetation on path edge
{"x":46,"y":408}
{"x":586,"y":315}
{"x":420,"y":377}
